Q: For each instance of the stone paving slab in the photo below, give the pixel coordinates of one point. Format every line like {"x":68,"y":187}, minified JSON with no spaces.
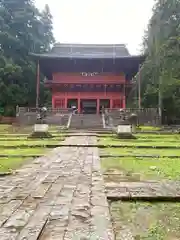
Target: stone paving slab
{"x":57,"y":196}
{"x":149,"y":190}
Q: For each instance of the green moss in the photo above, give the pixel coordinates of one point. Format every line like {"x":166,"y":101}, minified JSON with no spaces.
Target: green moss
{"x":145,"y":221}
{"x":163,"y":168}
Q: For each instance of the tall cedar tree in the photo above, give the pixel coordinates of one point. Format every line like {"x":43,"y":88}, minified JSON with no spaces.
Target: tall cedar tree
{"x":23,"y":29}
{"x":162,"y":46}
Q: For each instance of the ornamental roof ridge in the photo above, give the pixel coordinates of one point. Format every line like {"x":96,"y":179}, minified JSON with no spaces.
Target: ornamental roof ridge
{"x":98,"y":45}
{"x":90,"y":50}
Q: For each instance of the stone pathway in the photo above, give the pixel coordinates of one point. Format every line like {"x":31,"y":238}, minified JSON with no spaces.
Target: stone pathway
{"x":57,"y":197}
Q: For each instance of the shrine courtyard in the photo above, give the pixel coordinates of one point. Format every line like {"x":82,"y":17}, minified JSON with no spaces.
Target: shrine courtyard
{"x":81,"y":185}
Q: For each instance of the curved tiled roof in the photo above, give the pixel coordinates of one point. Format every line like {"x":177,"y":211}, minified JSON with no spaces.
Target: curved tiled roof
{"x":89,"y":51}
{"x":89,"y":58}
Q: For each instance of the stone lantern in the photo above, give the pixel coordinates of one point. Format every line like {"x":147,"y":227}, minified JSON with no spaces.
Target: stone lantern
{"x":133,"y":120}
{"x":41,"y":128}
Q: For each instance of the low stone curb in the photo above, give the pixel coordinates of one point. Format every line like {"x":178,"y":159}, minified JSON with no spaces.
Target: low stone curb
{"x":157,"y":132}
{"x":20,"y":156}
{"x":30,"y":139}
{"x":88,"y":132}
{"x":138,"y":156}
{"x":142,"y":191}
{"x":13,"y":135}
{"x":3,"y":174}
{"x":143,"y":198}
{"x":119,"y":146}
{"x":15,"y":138}
{"x":136,"y":146}
{"x":29,"y":146}
{"x":83,"y":145}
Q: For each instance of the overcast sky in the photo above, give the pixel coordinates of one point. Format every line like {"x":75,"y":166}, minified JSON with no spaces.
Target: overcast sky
{"x":100,"y":21}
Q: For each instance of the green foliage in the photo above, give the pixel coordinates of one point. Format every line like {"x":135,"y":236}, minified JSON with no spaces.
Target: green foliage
{"x":161,"y":69}
{"x":23,"y":29}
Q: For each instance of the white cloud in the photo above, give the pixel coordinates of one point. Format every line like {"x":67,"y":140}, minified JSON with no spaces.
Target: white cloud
{"x":100,"y":21}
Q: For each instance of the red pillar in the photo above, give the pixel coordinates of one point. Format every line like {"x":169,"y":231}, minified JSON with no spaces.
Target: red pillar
{"x":111,"y":103}
{"x":79,"y":105}
{"x":124,"y":97}
{"x":124,"y":102}
{"x":97,"y":110}
{"x":65,"y":101}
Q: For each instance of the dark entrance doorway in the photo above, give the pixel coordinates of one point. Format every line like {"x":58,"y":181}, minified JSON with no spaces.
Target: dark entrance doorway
{"x":104,"y":103}
{"x":89,"y":106}
{"x":72,"y":103}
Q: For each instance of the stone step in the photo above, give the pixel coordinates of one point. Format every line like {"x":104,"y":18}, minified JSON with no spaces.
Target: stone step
{"x":86,"y":121}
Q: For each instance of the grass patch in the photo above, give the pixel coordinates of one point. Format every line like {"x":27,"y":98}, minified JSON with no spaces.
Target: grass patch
{"x":144,"y":151}
{"x":149,"y":128}
{"x":25,"y":136}
{"x":145,"y":221}
{"x":25,"y":151}
{"x":151,"y":136}
{"x":160,"y":141}
{"x":29,"y":142}
{"x":10,"y":163}
{"x":7,"y":164}
{"x":14,"y":136}
{"x":144,"y":169}
{"x":15,"y":129}
{"x":4,"y":126}
{"x":157,"y":136}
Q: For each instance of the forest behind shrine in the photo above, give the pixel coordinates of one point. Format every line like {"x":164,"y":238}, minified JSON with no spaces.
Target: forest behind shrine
{"x":160,"y":74}
{"x":25,"y":29}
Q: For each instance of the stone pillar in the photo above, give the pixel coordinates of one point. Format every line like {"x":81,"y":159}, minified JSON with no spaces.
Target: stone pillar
{"x":97,"y":110}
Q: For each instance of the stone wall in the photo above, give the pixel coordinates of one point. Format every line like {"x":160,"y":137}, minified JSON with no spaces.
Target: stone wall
{"x":28,"y":116}
{"x":7,"y":120}
{"x":146,"y":116}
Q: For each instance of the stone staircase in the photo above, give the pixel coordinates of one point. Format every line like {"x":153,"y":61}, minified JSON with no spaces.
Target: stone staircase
{"x":113,"y":118}
{"x":86,"y":121}
{"x":58,"y":119}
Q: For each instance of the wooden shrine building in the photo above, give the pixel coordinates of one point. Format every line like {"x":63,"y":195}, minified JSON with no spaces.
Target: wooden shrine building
{"x":88,"y":76}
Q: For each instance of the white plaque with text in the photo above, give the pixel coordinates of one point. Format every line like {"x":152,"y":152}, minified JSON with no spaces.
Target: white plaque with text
{"x":124,"y":129}
{"x":41,"y":127}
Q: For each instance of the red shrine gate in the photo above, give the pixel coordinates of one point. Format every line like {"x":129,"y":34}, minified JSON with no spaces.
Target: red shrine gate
{"x":88,"y":76}
{"x":89,"y":92}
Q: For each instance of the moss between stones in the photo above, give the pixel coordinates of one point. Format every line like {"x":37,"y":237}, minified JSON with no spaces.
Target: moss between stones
{"x":4,"y":174}
{"x":125,"y":136}
{"x":40,"y":135}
